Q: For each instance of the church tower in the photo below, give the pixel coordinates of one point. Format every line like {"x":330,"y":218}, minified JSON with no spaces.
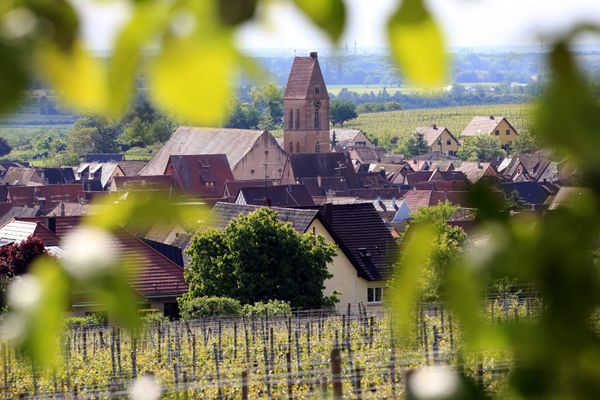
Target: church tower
{"x":306,"y":108}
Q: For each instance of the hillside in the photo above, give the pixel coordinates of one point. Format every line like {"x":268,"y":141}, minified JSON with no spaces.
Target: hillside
{"x":385,"y":125}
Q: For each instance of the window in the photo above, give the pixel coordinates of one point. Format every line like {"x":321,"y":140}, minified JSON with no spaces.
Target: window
{"x":448,"y":142}
{"x":508,"y":132}
{"x":316,"y":89}
{"x":297,"y":119}
{"x":440,"y":142}
{"x":291,"y":119}
{"x":317,"y":120}
{"x":297,"y":147}
{"x":497,"y":132}
{"x":361,"y":144}
{"x":374,"y":295}
{"x":171,"y":310}
{"x":317,"y":147}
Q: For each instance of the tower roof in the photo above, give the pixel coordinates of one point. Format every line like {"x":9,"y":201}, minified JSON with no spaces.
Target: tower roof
{"x":305,"y":72}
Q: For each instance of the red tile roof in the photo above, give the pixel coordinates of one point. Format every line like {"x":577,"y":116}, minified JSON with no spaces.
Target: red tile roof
{"x":202,"y":175}
{"x":305,"y":72}
{"x":48,"y":195}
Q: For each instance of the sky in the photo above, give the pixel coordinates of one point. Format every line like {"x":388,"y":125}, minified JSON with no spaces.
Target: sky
{"x":466,"y":23}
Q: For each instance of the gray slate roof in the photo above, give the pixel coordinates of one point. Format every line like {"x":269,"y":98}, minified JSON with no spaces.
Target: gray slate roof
{"x":300,"y":219}
{"x":234,"y":143}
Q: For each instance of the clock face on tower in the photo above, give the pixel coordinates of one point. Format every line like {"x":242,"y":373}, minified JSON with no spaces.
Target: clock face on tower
{"x":317,"y":104}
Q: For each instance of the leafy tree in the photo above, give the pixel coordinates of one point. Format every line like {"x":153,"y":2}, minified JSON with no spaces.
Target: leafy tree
{"x":341,"y":111}
{"x":259,"y":258}
{"x":144,"y":126}
{"x":447,"y":245}
{"x":244,"y":116}
{"x":268,"y":100}
{"x":5,"y":148}
{"x":481,"y":148}
{"x":93,"y":134}
{"x":416,"y":145}
{"x":526,"y":142}
{"x":16,"y":258}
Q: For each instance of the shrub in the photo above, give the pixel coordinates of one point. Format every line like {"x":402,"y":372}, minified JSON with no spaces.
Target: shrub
{"x":205,"y":306}
{"x":272,"y":308}
{"x":88,"y":320}
{"x":153,"y":316}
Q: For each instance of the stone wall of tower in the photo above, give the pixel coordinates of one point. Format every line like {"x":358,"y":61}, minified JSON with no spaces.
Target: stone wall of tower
{"x":301,"y":132}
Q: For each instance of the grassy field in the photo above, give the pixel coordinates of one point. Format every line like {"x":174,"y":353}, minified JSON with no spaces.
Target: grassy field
{"x":376,"y":88}
{"x":385,"y":125}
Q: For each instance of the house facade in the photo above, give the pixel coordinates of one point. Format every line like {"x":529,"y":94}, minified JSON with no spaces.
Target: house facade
{"x":496,"y":126}
{"x":439,"y":139}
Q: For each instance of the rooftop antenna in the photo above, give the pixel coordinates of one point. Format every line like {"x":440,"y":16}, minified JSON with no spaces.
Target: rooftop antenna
{"x":266,"y":165}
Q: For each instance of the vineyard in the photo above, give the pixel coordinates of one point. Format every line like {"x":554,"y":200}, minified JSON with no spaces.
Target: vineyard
{"x":262,"y":357}
{"x":386,"y":125}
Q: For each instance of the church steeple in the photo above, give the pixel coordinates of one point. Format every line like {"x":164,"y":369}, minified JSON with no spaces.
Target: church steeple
{"x":306,"y":108}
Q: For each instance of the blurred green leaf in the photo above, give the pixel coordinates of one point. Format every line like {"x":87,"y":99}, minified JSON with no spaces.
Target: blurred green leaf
{"x":329,"y":15}
{"x":44,"y":323}
{"x":192,"y":78}
{"x":148,"y":20}
{"x":417,"y":44}
{"x":234,"y":12}
{"x":58,"y":21}
{"x":13,"y":75}
{"x":405,"y":292}
{"x":76,"y":75}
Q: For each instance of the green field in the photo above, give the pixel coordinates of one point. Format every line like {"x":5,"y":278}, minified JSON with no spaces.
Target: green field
{"x":376,"y":88}
{"x":385,"y":125}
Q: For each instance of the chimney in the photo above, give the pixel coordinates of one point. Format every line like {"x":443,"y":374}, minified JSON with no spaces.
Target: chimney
{"x":62,"y":208}
{"x":434,"y":126}
{"x":479,"y":165}
{"x":491,"y":117}
{"x":52,"y":224}
{"x":313,"y":54}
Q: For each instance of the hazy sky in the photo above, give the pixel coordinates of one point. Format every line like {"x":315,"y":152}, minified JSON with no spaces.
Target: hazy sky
{"x":467,"y":23}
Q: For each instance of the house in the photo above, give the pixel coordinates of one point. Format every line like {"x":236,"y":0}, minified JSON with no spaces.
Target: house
{"x":201,"y":175}
{"x":347,"y":139}
{"x":439,"y":139}
{"x":251,"y":154}
{"x":16,"y":231}
{"x":531,"y":192}
{"x":475,"y":171}
{"x":154,"y":277}
{"x":365,"y":248}
{"x":306,"y":108}
{"x":492,"y":125}
{"x":314,"y":165}
{"x":131,"y":167}
{"x":45,"y":197}
{"x":146,"y":183}
{"x":567,"y":196}
{"x":364,"y":155}
{"x":33,"y":176}
{"x":426,"y":198}
{"x":231,"y":189}
{"x":277,"y":196}
{"x":101,"y":174}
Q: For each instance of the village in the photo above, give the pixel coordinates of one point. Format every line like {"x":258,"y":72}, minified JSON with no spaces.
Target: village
{"x":320,"y":179}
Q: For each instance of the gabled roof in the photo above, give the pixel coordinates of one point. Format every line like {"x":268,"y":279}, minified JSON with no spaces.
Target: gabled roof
{"x":232,"y":188}
{"x":312,"y":165}
{"x":320,"y":186}
{"x":373,"y":180}
{"x":9,"y":211}
{"x":483,"y":125}
{"x":145,"y":183}
{"x":345,"y":137}
{"x":202,"y":175}
{"x":234,"y":143}
{"x":24,"y":176}
{"x":49,"y":195}
{"x":305,"y":73}
{"x":474,"y":171}
{"x":103,"y":157}
{"x":362,"y":235}
{"x":132,"y":167}
{"x":278,"y":196}
{"x":432,"y":133}
{"x":18,"y":231}
{"x":426,"y":198}
{"x":61,"y":225}
{"x":300,"y":219}
{"x":70,"y":209}
{"x":366,"y":193}
{"x":534,"y":193}
{"x":365,"y":154}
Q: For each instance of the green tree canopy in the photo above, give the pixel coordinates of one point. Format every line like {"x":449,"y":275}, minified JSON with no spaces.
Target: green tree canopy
{"x":341,"y":111}
{"x":260,"y":258}
{"x":5,"y":148}
{"x":93,"y":134}
{"x":244,"y":116}
{"x":416,"y":145}
{"x":481,"y":148}
{"x":268,"y":100}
